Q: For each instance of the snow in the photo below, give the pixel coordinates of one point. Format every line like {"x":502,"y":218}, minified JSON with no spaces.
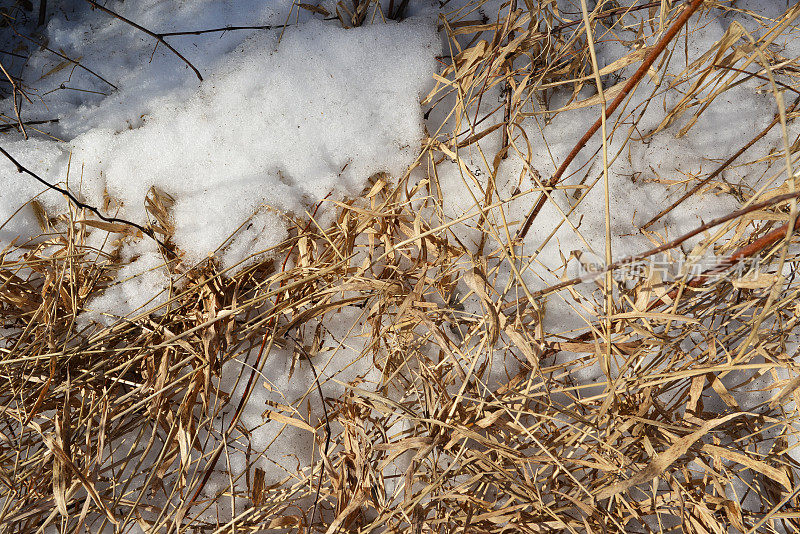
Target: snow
{"x":249,"y":140}
{"x":140,"y":286}
{"x":273,"y":129}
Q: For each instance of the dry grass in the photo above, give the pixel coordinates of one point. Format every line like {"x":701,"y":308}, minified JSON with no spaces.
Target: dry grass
{"x":655,"y":446}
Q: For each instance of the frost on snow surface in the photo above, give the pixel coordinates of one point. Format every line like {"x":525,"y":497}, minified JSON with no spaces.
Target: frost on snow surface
{"x":275,"y":127}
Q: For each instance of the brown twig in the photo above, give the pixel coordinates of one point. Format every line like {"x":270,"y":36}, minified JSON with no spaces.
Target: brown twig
{"x":719,"y":169}
{"x":146,"y":231}
{"x":755,"y":75}
{"x":671,"y":244}
{"x":155,"y":36}
{"x":608,"y":13}
{"x":62,"y":56}
{"x":7,"y":53}
{"x":6,"y":127}
{"x":673,"y":30}
{"x":16,"y":90}
{"x":225,"y":29}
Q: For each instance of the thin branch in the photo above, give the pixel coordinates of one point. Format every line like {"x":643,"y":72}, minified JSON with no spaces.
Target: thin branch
{"x":225,"y":29}
{"x":146,"y":231}
{"x":741,"y":253}
{"x":13,"y":54}
{"x":155,"y":36}
{"x":327,"y":425}
{"x":15,"y":90}
{"x":674,"y":243}
{"x":62,"y":56}
{"x":673,"y":30}
{"x":719,"y":169}
{"x":755,"y":75}
{"x":609,"y":13}
{"x":6,"y":127}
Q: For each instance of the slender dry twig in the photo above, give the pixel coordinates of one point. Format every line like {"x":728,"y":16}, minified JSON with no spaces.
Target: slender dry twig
{"x":6,"y":127}
{"x":155,"y":36}
{"x":702,"y":183}
{"x":15,"y":91}
{"x":82,"y":205}
{"x":225,"y":29}
{"x":659,"y":47}
{"x":64,"y":57}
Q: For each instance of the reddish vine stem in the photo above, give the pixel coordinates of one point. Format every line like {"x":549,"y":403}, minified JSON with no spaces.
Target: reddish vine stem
{"x":757,"y":245}
{"x":746,"y":251}
{"x":673,"y":30}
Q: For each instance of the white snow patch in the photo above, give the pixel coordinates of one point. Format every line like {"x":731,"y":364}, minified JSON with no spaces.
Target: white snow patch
{"x":274,"y":128}
{"x":141,"y":285}
{"x":271,"y":129}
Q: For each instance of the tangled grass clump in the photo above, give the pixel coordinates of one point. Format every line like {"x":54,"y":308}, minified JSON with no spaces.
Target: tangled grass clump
{"x":482,"y":420}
